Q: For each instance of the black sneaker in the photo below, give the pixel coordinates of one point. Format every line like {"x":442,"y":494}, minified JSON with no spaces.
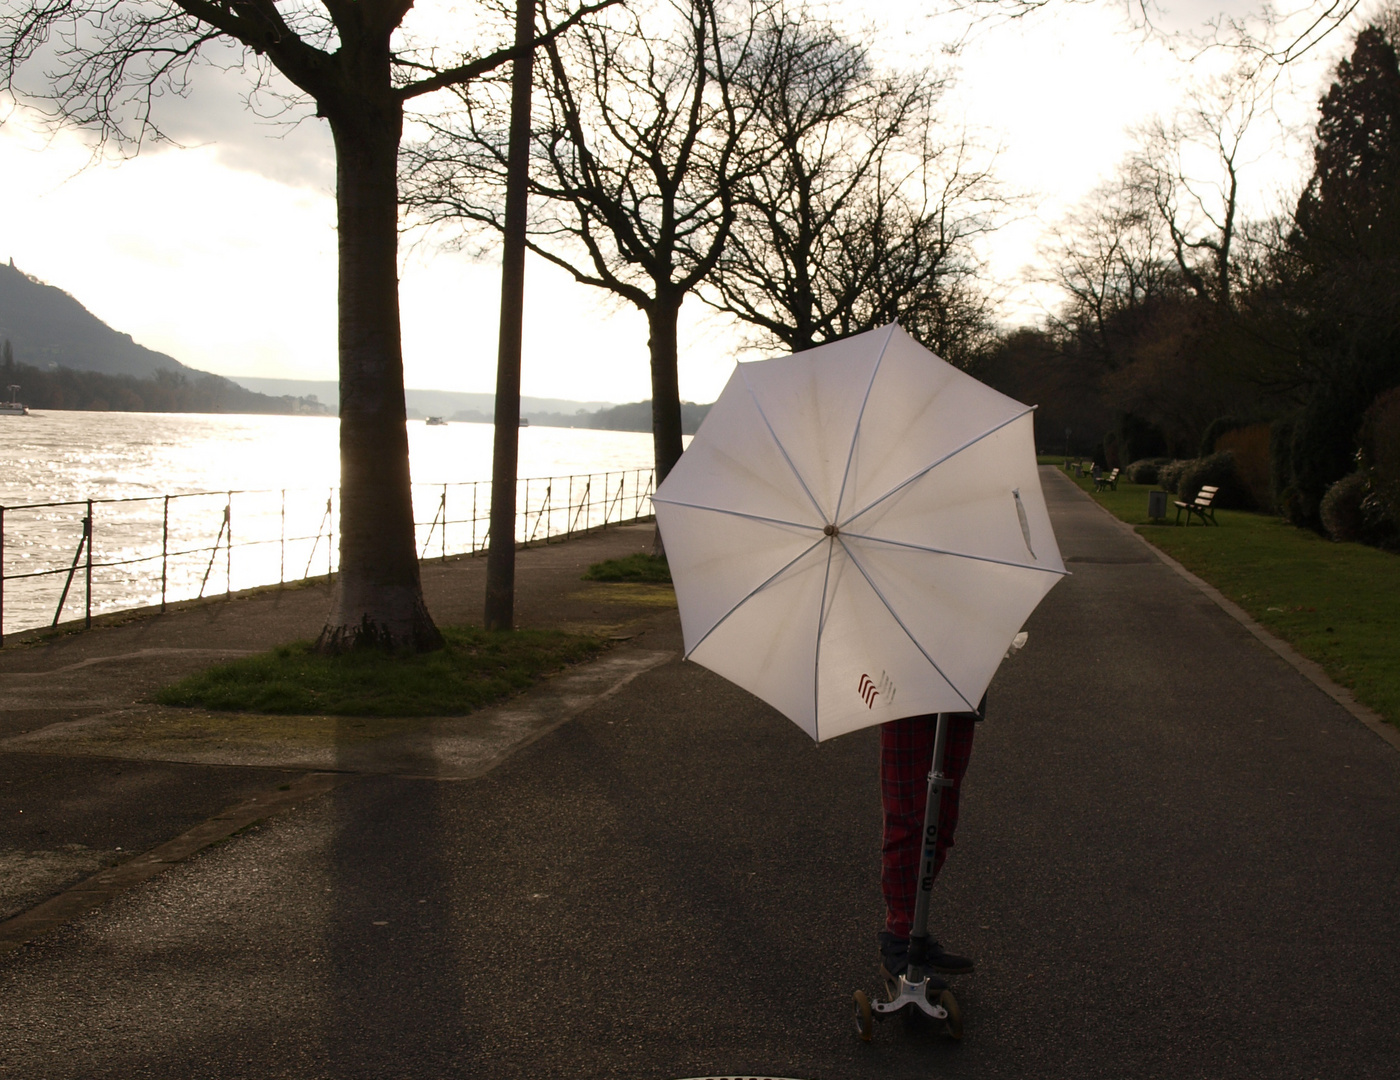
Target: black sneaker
{"x":894,"y":956}
{"x":894,"y":962}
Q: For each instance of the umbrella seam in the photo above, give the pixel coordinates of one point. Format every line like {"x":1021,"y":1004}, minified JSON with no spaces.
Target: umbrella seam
{"x":781,"y":448}
{"x":855,"y":435}
{"x":751,"y":594}
{"x":895,"y":615}
{"x":929,"y":468}
{"x":737,"y":513}
{"x":955,"y":554}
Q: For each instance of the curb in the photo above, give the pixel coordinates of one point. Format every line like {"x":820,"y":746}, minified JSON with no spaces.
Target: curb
{"x":92,"y":893}
{"x":1309,"y":669}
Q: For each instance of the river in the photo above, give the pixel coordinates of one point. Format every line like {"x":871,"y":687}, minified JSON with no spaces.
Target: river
{"x":282,"y":515}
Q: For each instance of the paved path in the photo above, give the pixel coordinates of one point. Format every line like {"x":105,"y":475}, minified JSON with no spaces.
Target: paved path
{"x":1177,"y":858}
{"x":90,"y":772}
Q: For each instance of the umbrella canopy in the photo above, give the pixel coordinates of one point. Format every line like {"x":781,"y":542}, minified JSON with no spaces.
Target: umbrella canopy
{"x":857,"y":533}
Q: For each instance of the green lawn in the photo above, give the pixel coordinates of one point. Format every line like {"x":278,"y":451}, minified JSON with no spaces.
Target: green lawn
{"x":642,"y":567}
{"x":475,"y":668}
{"x":1337,"y":604}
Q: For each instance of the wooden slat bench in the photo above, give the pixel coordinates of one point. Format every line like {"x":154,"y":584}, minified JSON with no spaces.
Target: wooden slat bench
{"x":1200,"y":506}
{"x":1106,"y":480}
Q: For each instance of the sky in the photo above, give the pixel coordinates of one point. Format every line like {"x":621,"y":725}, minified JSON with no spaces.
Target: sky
{"x":221,"y":251}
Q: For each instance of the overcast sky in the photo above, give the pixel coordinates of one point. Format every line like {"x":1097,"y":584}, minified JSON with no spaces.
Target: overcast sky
{"x":222,"y":253}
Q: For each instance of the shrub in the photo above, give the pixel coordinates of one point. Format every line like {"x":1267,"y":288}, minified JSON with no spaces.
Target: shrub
{"x":1219,"y":470}
{"x":1250,"y":445}
{"x":1351,"y":511}
{"x":1138,"y":439}
{"x":1169,"y":475}
{"x":1144,"y":471}
{"x":1380,"y":451}
{"x":1281,"y":468}
{"x":1218,"y":427}
{"x":1325,"y":438}
{"x":1341,"y":508}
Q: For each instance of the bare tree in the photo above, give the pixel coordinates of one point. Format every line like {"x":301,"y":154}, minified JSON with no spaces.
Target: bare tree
{"x":637,"y":152}
{"x":107,"y":64}
{"x":862,"y":214}
{"x":1269,"y":37}
{"x":1200,"y":211}
{"x":1109,"y":259}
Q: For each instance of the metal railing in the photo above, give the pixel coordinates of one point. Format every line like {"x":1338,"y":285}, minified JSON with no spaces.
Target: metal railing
{"x":154,"y":550}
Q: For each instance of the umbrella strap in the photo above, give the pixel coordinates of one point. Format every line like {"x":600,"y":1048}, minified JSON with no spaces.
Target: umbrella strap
{"x":918,"y":937}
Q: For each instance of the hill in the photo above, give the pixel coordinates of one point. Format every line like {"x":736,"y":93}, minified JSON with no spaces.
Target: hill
{"x":49,"y":329}
{"x":453,"y":404}
{"x":636,"y":416}
{"x":65,"y":357}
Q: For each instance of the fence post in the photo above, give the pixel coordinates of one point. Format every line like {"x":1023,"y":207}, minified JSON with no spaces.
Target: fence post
{"x":474,"y":483}
{"x":2,"y":577}
{"x":444,"y":522}
{"x":228,"y":551}
{"x":282,"y":560}
{"x":525,"y":515}
{"x":87,"y":611}
{"x":164,"y":550}
{"x":330,"y":537}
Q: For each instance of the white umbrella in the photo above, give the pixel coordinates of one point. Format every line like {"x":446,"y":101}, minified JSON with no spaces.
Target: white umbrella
{"x":857,"y":533}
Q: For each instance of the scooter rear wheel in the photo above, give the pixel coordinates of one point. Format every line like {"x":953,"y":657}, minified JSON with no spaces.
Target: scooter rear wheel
{"x":865,"y":1020}
{"x":953,"y":1025}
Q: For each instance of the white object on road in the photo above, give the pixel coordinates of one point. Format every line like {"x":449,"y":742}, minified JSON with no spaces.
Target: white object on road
{"x":857,"y":533}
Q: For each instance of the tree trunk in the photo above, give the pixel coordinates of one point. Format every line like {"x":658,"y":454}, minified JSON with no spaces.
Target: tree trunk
{"x":665,"y":383}
{"x":378,"y":595}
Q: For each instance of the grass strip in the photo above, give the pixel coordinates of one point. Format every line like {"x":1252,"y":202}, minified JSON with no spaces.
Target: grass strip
{"x":1337,"y":604}
{"x":475,"y":668}
{"x":641,"y":567}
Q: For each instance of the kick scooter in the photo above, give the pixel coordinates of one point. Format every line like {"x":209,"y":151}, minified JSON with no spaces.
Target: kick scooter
{"x":912,"y":989}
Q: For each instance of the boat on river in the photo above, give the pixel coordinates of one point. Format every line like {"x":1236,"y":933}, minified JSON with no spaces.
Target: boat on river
{"x":13,"y":407}
{"x":436,"y":421}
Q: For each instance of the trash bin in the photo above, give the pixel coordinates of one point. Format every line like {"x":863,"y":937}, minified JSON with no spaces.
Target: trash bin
{"x":1156,"y":504}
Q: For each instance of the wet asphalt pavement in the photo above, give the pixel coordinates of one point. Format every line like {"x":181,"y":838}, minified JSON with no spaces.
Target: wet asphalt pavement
{"x":1176,"y":858}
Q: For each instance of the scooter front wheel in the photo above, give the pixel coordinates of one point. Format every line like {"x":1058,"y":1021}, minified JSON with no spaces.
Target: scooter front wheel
{"x":865,"y":1020}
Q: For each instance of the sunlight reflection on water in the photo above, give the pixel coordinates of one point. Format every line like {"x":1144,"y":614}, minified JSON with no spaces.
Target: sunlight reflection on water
{"x":59,"y":456}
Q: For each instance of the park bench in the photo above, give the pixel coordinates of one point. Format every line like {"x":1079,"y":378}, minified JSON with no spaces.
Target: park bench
{"x":1108,"y":480}
{"x":1200,"y":506}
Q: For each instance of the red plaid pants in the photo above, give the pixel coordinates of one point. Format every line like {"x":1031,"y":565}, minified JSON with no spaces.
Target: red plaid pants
{"x":906,"y":755}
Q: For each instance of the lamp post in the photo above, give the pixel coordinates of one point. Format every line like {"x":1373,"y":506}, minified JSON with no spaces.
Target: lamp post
{"x":500,"y":557}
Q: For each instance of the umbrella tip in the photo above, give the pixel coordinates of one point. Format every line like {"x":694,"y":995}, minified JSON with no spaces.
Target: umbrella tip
{"x":831,"y":530}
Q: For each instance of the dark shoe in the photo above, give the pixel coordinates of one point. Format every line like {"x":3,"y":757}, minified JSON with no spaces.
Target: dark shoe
{"x":895,"y":951}
{"x":894,"y":962}
{"x":948,"y":963}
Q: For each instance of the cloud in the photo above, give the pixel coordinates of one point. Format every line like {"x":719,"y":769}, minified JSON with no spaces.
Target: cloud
{"x":269,"y":130}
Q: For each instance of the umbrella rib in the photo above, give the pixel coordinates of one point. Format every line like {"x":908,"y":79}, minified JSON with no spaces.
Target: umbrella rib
{"x":929,"y":468}
{"x":855,"y":435}
{"x":895,"y":615}
{"x":754,"y":592}
{"x":956,"y":554}
{"x":781,"y":448}
{"x":817,"y":657}
{"x":737,"y":513}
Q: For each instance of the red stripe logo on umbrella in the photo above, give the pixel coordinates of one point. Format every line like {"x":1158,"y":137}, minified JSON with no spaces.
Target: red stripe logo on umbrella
{"x":868,"y":692}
